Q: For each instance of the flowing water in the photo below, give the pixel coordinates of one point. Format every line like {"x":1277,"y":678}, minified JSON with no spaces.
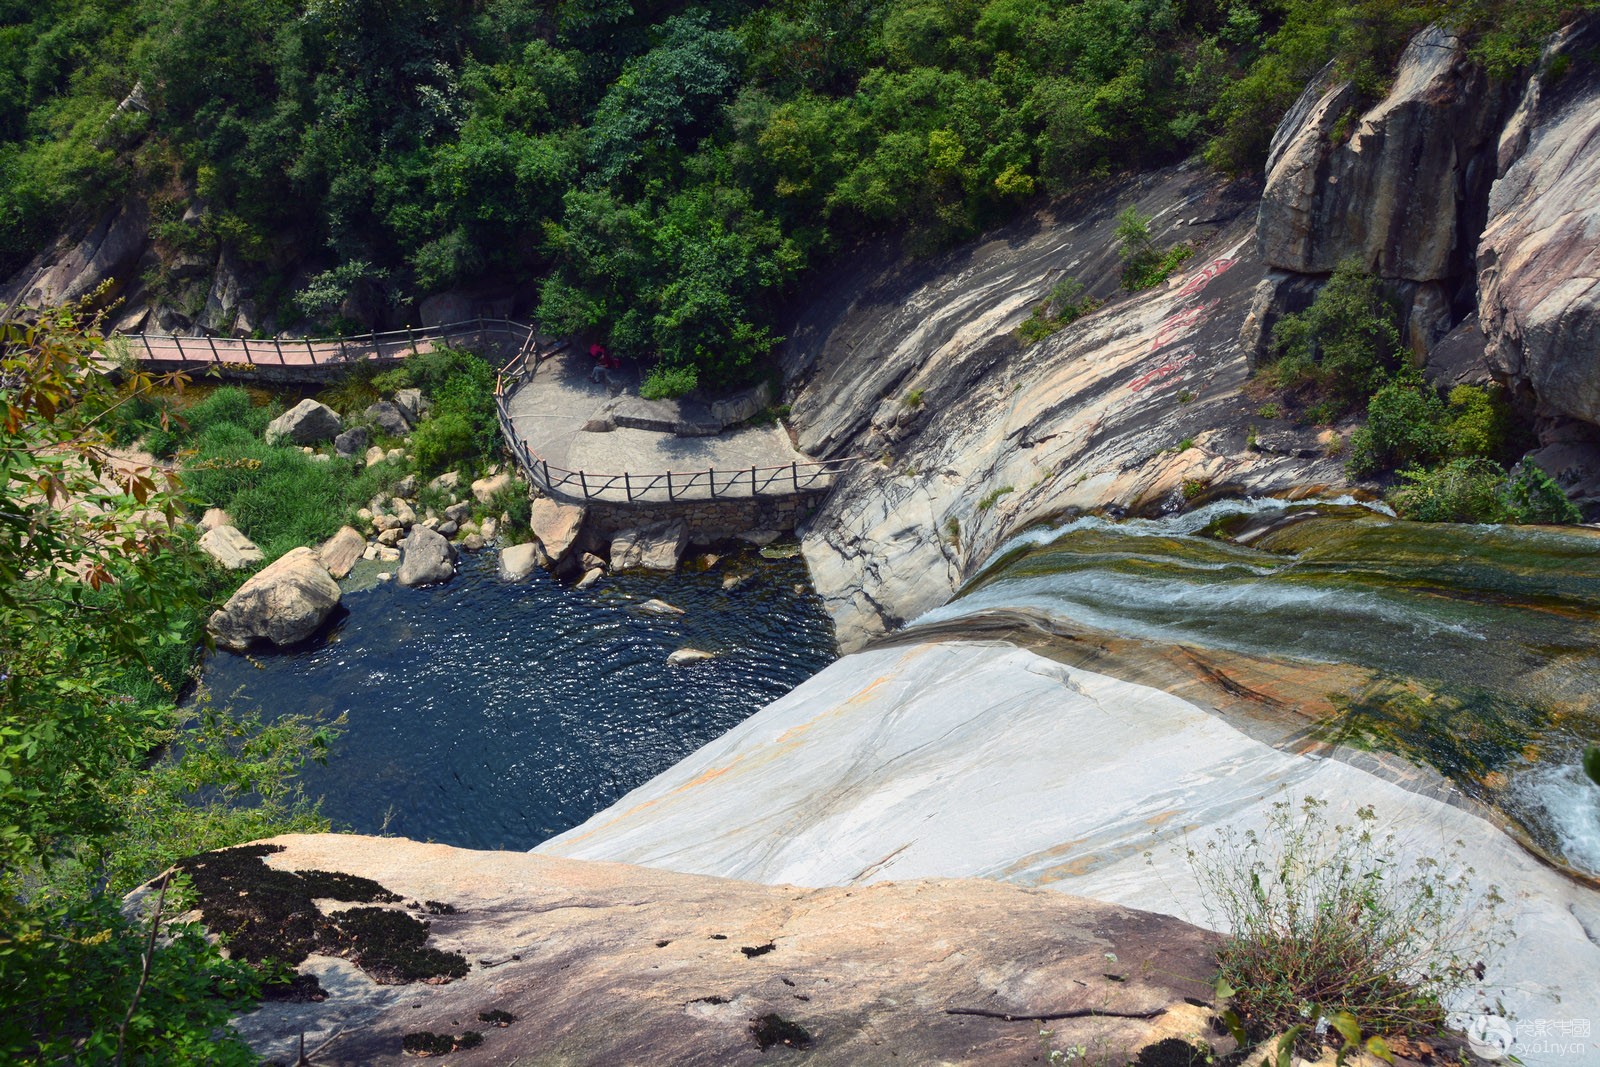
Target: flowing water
{"x":493,"y":715}
{"x":1481,"y":644}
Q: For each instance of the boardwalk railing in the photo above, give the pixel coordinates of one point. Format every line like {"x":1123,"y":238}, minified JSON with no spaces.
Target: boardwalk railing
{"x":394,"y":345}
{"x":668,"y":486}
{"x":386,"y":347}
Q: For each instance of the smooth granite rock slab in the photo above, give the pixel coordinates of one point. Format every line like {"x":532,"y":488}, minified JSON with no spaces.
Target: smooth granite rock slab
{"x":982,"y":760}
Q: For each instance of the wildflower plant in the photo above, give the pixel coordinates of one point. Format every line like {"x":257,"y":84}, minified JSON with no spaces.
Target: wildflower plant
{"x":1325,"y":923}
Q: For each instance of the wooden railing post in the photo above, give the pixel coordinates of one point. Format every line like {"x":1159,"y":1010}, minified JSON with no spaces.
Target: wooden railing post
{"x":753,"y":482}
{"x":148,"y":351}
{"x":312,"y":352}
{"x":627,"y":486}
{"x":711,"y":481}
{"x":412,"y":337}
{"x":279,"y":346}
{"x":215,"y":358}
{"x":584,"y":482}
{"x":669,"y":486}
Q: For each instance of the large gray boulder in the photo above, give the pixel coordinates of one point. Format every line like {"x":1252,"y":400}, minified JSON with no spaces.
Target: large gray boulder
{"x":307,"y":423}
{"x":1539,"y":259}
{"x":284,"y":604}
{"x":388,"y":417}
{"x":425,"y":558}
{"x":557,"y":526}
{"x":352,"y":442}
{"x":650,"y":548}
{"x":412,"y":403}
{"x":1387,"y":188}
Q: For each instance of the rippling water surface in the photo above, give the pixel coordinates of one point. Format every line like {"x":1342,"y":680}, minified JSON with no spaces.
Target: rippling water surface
{"x":491,"y":715}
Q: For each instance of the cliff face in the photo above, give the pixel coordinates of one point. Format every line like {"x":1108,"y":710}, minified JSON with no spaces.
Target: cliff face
{"x":1478,"y":202}
{"x":968,"y":435}
{"x":602,"y":963}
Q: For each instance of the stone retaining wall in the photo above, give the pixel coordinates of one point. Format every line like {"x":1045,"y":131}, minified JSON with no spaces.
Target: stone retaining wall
{"x":707,"y":520}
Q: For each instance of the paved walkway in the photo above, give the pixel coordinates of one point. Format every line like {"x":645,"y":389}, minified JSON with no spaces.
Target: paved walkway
{"x":551,"y":407}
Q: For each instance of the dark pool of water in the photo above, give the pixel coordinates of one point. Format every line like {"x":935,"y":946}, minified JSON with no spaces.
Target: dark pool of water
{"x":491,"y":715}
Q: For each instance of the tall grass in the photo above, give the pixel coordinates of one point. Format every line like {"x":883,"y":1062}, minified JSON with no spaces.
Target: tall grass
{"x":278,"y":496}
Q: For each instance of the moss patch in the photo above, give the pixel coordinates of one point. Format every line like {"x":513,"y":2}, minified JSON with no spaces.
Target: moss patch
{"x":270,"y":915}
{"x":772,"y":1030}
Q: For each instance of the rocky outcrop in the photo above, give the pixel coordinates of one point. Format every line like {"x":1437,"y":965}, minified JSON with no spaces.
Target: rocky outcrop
{"x":230,"y":548}
{"x":284,"y":604}
{"x":309,"y":422}
{"x":425,"y":558}
{"x":968,"y":436}
{"x":608,"y":964}
{"x":1388,"y":187}
{"x":1539,"y":260}
{"x":649,"y":548}
{"x":73,"y":269}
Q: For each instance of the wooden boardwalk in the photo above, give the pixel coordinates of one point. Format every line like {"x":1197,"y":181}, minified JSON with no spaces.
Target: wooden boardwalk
{"x":169,"y":351}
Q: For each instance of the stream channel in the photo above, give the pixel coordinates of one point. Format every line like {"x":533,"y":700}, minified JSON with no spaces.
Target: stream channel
{"x":1471,"y":649}
{"x":492,"y":715}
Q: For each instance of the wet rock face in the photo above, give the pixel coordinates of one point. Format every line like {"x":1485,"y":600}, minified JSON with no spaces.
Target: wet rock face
{"x":284,"y":604}
{"x":601,"y":963}
{"x":1539,"y":260}
{"x":1388,"y":187}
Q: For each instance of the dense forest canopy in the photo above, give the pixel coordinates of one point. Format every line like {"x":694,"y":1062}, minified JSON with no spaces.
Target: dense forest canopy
{"x":660,"y":173}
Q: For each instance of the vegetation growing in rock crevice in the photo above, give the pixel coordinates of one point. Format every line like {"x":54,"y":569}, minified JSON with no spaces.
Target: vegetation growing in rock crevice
{"x":1324,"y":924}
{"x":1448,"y":455}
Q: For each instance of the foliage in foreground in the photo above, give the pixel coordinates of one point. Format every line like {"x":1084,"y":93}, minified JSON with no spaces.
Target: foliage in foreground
{"x":99,"y":597}
{"x":1323,"y":920}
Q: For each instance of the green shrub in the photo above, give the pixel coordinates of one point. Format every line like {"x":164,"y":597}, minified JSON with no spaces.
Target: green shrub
{"x":1323,"y":920}
{"x":1532,"y":496}
{"x":1407,"y":424}
{"x":442,"y":440}
{"x":1478,"y":421}
{"x":1468,"y":489}
{"x":461,"y":430}
{"x":1344,"y":347}
{"x":1144,"y":266}
{"x":664,"y":382}
{"x":1062,"y":306}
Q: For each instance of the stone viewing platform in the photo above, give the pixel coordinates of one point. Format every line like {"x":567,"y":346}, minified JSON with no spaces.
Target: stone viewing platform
{"x":589,"y":438}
